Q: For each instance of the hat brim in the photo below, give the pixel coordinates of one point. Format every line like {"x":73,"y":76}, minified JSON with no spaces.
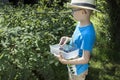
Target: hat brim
{"x":83,"y":7}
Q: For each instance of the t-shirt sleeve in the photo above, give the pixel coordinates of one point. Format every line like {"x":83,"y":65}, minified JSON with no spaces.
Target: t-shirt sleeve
{"x":88,"y":42}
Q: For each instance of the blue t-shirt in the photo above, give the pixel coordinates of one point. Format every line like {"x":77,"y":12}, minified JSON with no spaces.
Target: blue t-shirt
{"x":83,"y":38}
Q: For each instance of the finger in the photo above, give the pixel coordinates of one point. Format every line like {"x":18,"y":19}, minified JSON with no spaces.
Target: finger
{"x":62,"y":41}
{"x":57,"y":56}
{"x":60,"y":54}
{"x":66,"y":40}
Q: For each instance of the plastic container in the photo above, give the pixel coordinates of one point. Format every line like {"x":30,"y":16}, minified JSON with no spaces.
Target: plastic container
{"x":67,"y":51}
{"x":55,"y":49}
{"x":70,"y":55}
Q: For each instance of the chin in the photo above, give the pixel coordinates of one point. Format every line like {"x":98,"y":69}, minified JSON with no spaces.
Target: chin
{"x":76,"y":19}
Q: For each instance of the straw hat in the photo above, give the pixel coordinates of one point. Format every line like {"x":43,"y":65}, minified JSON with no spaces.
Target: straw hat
{"x":85,"y":4}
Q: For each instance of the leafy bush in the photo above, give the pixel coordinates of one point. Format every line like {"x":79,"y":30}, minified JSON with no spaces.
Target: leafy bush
{"x":25,"y":36}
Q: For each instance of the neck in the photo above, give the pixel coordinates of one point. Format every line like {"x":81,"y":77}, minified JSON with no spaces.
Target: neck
{"x":84,"y":22}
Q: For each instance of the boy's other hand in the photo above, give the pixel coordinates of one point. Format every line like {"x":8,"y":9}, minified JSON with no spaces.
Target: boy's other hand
{"x":61,"y":59}
{"x":63,"y":41}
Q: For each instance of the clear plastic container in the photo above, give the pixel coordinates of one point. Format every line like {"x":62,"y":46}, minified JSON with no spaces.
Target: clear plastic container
{"x":70,"y":55}
{"x":66,"y":51}
{"x":55,"y":49}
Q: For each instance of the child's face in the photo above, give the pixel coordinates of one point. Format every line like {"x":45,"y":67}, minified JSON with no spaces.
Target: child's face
{"x":80,"y":14}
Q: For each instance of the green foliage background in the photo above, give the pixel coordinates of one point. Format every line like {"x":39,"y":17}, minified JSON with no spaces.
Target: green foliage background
{"x":26,"y":33}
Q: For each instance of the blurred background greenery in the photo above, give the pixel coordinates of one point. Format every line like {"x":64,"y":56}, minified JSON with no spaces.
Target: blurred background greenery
{"x":28,"y":27}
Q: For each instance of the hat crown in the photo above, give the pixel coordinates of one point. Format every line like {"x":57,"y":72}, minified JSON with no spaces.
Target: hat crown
{"x":85,"y":4}
{"x":83,"y":1}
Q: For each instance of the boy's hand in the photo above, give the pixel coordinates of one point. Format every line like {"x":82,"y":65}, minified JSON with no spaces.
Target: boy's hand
{"x":61,"y":59}
{"x":63,"y":41}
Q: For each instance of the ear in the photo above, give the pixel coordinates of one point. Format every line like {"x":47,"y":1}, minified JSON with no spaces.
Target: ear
{"x":84,"y":12}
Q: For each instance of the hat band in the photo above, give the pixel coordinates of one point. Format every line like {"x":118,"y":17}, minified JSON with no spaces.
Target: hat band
{"x":84,"y":4}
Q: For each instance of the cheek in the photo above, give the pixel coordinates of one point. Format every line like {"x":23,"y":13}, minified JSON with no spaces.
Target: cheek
{"x":77,"y":16}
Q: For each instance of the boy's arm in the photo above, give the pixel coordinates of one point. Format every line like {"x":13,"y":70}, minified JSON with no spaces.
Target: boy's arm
{"x":82,"y":60}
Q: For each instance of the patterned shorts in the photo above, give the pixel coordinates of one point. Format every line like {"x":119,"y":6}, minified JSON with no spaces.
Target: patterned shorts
{"x":78,"y":77}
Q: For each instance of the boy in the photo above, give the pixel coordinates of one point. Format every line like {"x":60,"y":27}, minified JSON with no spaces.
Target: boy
{"x":83,"y":38}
